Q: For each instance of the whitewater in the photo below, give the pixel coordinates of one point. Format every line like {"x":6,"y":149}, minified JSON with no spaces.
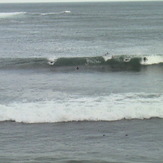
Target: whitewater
{"x":111,"y":108}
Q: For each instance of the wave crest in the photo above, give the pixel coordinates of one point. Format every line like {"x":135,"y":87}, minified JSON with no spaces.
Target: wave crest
{"x":55,"y":13}
{"x":11,"y":14}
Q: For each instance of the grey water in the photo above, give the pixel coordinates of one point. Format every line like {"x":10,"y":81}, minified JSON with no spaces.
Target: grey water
{"x":80,"y":115}
{"x":125,"y":141}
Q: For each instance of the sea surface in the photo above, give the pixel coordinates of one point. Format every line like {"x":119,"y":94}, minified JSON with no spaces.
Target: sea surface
{"x":81,"y":82}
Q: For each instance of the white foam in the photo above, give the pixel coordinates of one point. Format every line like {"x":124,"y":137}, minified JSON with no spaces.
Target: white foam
{"x":52,"y":60}
{"x":150,"y":60}
{"x":56,"y":13}
{"x":107,"y":57}
{"x":50,"y":13}
{"x":68,"y":12}
{"x":104,"y":108}
{"x":11,"y":14}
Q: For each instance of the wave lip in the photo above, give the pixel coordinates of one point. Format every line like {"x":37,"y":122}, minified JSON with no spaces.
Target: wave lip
{"x":11,"y":14}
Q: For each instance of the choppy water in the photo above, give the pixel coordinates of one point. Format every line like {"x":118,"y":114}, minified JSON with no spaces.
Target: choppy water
{"x":64,"y":62}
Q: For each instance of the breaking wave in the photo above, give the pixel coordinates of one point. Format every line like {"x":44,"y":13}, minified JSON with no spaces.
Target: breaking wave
{"x":15,"y":14}
{"x":55,"y":13}
{"x":98,"y":63}
{"x":105,"y":108}
{"x":11,"y":14}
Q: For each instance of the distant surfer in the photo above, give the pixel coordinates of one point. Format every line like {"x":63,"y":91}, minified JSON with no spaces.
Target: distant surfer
{"x":145,"y":59}
{"x":77,"y":68}
{"x":106,"y":54}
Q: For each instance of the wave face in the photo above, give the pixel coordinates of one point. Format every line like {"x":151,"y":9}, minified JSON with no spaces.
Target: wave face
{"x":98,"y":63}
{"x":105,"y":108}
{"x":23,"y":63}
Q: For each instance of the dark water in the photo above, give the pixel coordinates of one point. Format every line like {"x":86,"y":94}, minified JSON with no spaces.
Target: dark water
{"x":70,"y":73}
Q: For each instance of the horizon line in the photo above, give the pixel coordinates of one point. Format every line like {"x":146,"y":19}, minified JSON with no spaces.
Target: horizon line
{"x":70,"y":1}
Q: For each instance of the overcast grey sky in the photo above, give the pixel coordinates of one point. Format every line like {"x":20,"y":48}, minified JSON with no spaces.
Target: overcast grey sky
{"x":22,"y":1}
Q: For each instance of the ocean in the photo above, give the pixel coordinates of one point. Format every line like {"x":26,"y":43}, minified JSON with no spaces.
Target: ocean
{"x":81,"y":82}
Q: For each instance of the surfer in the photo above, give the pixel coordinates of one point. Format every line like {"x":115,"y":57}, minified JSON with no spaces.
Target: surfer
{"x":106,"y":54}
{"x":145,"y":59}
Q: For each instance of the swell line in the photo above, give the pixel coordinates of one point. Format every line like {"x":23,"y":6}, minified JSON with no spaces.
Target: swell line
{"x":96,"y":63}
